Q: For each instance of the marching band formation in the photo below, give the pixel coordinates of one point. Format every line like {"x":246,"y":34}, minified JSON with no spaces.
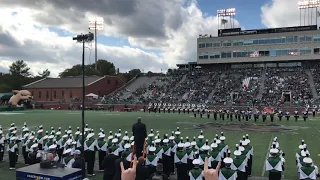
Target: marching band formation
{"x":174,"y":152}
{"x":275,"y":162}
{"x":306,"y":168}
{"x":227,"y":114}
{"x":189,"y":156}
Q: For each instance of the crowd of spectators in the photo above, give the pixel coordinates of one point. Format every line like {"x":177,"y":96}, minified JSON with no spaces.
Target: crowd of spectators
{"x":315,"y":71}
{"x":220,"y":87}
{"x":162,"y":86}
{"x":202,"y":92}
{"x":193,"y":88}
{"x":231,"y":88}
{"x":166,"y":94}
{"x":293,"y":79}
{"x":200,"y":86}
{"x":158,"y":90}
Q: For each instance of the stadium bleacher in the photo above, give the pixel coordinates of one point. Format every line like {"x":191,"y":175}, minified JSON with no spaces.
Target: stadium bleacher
{"x":241,"y":86}
{"x":293,"y":79}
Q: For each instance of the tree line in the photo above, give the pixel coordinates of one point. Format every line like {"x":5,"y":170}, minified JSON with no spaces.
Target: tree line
{"x":20,"y":75}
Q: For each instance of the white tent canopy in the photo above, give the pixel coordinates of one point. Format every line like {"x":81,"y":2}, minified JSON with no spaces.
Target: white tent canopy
{"x":92,"y":95}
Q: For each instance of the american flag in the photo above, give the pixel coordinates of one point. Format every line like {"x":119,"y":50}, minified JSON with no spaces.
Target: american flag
{"x":293,"y":53}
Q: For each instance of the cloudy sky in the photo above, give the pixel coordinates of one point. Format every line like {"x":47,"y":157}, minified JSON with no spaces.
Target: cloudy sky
{"x":146,"y":34}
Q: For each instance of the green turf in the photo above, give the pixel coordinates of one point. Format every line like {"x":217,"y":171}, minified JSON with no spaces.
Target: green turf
{"x":165,"y":123}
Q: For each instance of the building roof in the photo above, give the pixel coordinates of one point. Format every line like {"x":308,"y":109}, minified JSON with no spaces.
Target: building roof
{"x":67,"y":82}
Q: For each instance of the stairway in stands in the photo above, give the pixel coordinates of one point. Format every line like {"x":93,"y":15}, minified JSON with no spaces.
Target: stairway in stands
{"x":311,"y":82}
{"x":214,"y":89}
{"x":184,"y":77}
{"x":211,"y":95}
{"x":134,"y":86}
{"x":262,"y":80}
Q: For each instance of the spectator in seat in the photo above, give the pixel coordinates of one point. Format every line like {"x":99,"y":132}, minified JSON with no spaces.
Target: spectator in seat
{"x":77,"y":159}
{"x":159,"y":174}
{"x":142,"y":170}
{"x":109,"y":165}
{"x":119,"y":164}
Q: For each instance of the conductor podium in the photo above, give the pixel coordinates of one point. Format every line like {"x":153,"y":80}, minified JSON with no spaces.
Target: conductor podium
{"x":34,"y":172}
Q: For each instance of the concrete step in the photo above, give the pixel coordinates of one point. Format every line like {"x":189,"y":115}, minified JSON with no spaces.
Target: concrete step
{"x":311,"y":82}
{"x":211,"y":95}
{"x":262,"y":80}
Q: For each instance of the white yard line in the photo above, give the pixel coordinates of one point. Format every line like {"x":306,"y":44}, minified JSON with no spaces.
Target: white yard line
{"x":267,"y":155}
{"x":11,"y":113}
{"x":318,"y":130}
{"x":74,"y":113}
{"x":112,"y":114}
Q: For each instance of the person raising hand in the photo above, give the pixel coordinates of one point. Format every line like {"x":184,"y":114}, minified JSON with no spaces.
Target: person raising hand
{"x":211,"y":174}
{"x":130,"y":173}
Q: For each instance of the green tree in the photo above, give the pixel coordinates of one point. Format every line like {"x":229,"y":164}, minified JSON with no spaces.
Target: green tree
{"x":44,"y":74}
{"x":105,"y":67}
{"x":19,"y":68}
{"x":90,"y":71}
{"x":74,"y":71}
{"x":149,"y":73}
{"x":123,"y":76}
{"x":134,"y":72}
{"x":5,"y":88}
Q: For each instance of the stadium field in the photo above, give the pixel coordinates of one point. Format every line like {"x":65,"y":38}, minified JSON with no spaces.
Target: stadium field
{"x":289,"y":133}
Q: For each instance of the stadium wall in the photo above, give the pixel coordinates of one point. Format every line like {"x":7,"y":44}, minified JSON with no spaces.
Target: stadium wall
{"x":102,"y":87}
{"x":54,"y":94}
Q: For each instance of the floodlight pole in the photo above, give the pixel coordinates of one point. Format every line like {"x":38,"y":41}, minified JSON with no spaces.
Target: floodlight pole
{"x":308,"y":11}
{"x":317,"y":16}
{"x":96,"y":23}
{"x":304,"y":17}
{"x":218,"y":22}
{"x":300,"y":17}
{"x":305,"y":7}
{"x":311,"y":15}
{"x":95,"y":44}
{"x":83,"y":38}
{"x":82,"y":115}
{"x":224,"y":13}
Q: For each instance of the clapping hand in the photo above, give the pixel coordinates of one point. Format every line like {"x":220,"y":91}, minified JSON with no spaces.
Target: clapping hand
{"x":130,"y":173}
{"x":211,"y":174}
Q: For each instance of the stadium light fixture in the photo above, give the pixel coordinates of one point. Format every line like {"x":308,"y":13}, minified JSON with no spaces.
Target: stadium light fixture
{"x":83,"y":38}
{"x":230,"y":12}
{"x":306,"y":6}
{"x":303,"y":4}
{"x":96,"y":24}
{"x":314,"y":3}
{"x":227,"y":12}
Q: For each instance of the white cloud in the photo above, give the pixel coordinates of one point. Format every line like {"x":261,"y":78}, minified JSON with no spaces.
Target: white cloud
{"x":169,"y":26}
{"x":4,"y":66}
{"x":284,"y":13}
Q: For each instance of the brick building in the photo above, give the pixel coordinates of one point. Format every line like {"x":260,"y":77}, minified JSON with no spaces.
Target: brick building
{"x":55,"y":89}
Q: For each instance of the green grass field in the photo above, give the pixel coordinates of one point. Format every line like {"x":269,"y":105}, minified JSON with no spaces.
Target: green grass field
{"x":165,"y":123}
